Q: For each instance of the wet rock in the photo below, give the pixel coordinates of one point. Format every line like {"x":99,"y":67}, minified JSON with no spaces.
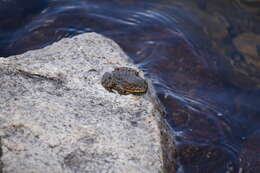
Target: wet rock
{"x":193,"y":158}
{"x":255,"y":4}
{"x":169,"y":150}
{"x":247,"y":44}
{"x":217,"y":27}
{"x":250,"y":154}
{"x":55,"y":115}
{"x":245,"y":62}
{"x":251,"y":6}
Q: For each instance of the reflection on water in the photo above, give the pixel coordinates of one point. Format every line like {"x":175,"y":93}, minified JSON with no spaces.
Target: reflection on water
{"x":203,"y":57}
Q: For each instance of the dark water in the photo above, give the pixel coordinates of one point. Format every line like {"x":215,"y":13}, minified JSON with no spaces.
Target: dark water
{"x":203,"y":57}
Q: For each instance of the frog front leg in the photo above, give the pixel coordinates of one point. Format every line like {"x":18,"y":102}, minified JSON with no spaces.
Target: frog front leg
{"x":121,"y":91}
{"x":109,"y":89}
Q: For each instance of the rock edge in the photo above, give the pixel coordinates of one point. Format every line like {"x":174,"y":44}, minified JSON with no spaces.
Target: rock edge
{"x":56,"y":117}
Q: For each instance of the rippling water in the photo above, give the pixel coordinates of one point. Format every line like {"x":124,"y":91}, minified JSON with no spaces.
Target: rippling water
{"x":203,"y":57}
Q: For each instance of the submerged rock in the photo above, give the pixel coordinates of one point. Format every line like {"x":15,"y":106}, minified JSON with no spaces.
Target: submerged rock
{"x":56,"y":117}
{"x":248,"y":44}
{"x":245,"y":63}
{"x":250,"y":153}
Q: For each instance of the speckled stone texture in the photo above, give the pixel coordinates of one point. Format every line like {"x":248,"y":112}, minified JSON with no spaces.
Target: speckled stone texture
{"x":56,"y":117}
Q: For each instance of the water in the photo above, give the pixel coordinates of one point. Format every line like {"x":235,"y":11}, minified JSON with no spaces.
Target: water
{"x":202,"y":56}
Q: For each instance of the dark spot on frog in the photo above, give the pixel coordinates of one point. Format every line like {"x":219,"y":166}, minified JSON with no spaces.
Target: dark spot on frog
{"x":134,"y":123}
{"x":125,"y":81}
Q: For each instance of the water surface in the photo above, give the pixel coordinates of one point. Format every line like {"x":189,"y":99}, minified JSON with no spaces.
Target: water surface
{"x":202,"y":56}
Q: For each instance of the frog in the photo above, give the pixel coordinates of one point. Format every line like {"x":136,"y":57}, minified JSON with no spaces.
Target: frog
{"x":124,"y":80}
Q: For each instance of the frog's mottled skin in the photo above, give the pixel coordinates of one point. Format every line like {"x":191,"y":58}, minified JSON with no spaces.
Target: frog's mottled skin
{"x":125,"y":81}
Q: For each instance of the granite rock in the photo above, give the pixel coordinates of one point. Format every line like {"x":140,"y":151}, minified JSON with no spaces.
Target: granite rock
{"x":56,"y":117}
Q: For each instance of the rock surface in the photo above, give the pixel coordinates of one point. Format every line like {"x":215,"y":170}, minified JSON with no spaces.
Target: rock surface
{"x":1,"y":153}
{"x":245,"y":63}
{"x":56,"y":117}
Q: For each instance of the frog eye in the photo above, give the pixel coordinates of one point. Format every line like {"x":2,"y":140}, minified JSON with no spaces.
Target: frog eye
{"x":107,"y":75}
